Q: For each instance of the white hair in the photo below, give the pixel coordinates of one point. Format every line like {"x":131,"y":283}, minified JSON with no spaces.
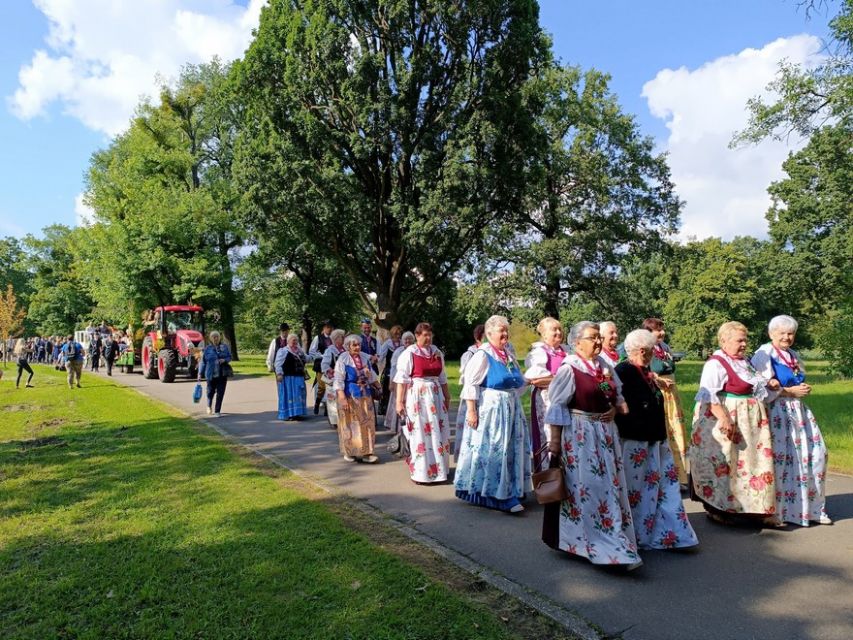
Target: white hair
{"x":351,"y":339}
{"x":640,"y":339}
{"x":606,"y":325}
{"x":579,"y":327}
{"x":495,"y":322}
{"x":215,"y":333}
{"x":781,"y":323}
{"x":292,"y":337}
{"x":408,"y":336}
{"x":337,"y":333}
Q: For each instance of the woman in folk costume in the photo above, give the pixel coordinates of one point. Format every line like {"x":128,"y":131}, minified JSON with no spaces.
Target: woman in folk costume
{"x":610,"y":343}
{"x":731,"y":448}
{"x":542,"y":362}
{"x":327,"y":365}
{"x":654,"y":494}
{"x":663,"y":366}
{"x":458,"y":434}
{"x":392,"y":419}
{"x":386,"y":352}
{"x":494,"y":460}
{"x":290,"y":375}
{"x":356,"y":386}
{"x":799,"y":452}
{"x":595,"y":521}
{"x":422,"y":401}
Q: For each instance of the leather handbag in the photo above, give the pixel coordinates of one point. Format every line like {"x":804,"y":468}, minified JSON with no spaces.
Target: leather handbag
{"x":549,"y":485}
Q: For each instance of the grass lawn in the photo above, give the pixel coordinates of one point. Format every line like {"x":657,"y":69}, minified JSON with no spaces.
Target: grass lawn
{"x":252,"y":365}
{"x":121,"y":519}
{"x":831,"y":401}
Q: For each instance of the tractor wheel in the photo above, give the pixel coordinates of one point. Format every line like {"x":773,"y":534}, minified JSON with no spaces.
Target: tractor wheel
{"x":149,"y":360}
{"x":167,"y":365}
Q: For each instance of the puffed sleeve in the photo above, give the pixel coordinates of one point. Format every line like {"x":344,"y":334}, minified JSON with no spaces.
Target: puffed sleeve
{"x":278,"y":367}
{"x":560,"y":393}
{"x":711,"y":383}
{"x":536,"y":364}
{"x":340,"y":373}
{"x":403,"y":372}
{"x":761,"y":363}
{"x":475,"y":372}
{"x":326,"y":363}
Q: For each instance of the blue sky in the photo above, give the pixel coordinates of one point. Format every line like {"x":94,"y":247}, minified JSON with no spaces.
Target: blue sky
{"x":98,"y":56}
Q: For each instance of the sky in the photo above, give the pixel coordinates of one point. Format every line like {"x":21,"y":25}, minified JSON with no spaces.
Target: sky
{"x":72,"y":72}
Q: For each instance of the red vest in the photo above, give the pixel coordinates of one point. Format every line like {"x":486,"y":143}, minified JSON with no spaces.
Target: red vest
{"x":734,"y":383}
{"x":423,"y":367}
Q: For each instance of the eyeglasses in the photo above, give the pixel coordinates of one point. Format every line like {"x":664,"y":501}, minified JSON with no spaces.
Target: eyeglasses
{"x":593,"y":338}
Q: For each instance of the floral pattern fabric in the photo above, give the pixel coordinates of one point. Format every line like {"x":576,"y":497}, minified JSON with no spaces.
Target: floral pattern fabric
{"x":736,"y":476}
{"x":654,"y":495}
{"x":494,"y":460}
{"x":799,"y":455}
{"x":428,"y":431}
{"x":595,"y":521}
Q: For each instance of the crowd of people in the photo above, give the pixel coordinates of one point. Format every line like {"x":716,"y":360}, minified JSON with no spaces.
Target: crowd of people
{"x":605,"y":412}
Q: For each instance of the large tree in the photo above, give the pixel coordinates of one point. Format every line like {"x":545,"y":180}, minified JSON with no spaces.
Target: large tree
{"x":392,"y":129}
{"x":165,"y":203}
{"x":597,"y":195}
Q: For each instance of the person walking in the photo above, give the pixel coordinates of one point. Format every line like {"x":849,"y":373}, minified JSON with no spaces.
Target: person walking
{"x":95,"y":351}
{"x":290,"y":377}
{"x":73,"y":355}
{"x":22,"y":357}
{"x":318,"y":347}
{"x":110,"y":350}
{"x":214,"y":369}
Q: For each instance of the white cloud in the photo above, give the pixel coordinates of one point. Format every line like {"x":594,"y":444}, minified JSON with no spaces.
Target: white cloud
{"x":725,"y":189}
{"x":103,"y":55}
{"x":84,"y":214}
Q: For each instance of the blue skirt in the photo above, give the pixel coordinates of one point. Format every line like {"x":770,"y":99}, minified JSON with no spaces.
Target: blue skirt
{"x":291,"y":397}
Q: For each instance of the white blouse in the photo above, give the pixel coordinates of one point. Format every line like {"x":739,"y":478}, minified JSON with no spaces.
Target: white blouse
{"x":386,"y":346}
{"x":714,"y":377}
{"x":328,"y":354}
{"x":477,"y":368}
{"x":341,"y":369}
{"x":562,"y":388}
{"x":536,"y":362}
{"x":761,"y":360}
{"x":403,"y":373}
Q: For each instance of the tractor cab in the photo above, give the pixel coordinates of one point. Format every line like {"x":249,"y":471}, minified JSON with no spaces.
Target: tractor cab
{"x":173,"y":339}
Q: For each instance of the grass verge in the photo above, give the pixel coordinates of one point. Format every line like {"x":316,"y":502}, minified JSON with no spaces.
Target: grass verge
{"x":120,"y":519}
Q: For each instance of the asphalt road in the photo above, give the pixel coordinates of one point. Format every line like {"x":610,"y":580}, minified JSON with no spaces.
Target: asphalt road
{"x":738,"y":584}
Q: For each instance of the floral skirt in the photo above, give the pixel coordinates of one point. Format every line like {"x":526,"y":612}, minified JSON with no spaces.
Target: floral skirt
{"x":676,"y":432}
{"x":427,"y":431}
{"x":331,"y":398}
{"x":735,"y":476}
{"x":799,"y":455}
{"x":357,"y":427}
{"x":291,"y":397}
{"x":595,"y":521}
{"x":494,"y":458}
{"x":654,"y":494}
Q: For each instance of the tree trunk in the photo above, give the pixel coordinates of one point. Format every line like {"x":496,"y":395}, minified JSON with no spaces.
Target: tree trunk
{"x":551,"y":298}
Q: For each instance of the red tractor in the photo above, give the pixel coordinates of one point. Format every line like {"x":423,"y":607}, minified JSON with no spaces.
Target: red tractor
{"x":173,"y":339}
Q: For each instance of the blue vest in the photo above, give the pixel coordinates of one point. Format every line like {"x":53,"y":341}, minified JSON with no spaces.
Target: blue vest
{"x":785,"y":375}
{"x":351,"y":387}
{"x":501,"y":377}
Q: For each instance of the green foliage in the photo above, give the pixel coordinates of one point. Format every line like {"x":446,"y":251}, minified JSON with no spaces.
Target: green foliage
{"x":165,"y":203}
{"x":391,"y":129}
{"x":59,"y":302}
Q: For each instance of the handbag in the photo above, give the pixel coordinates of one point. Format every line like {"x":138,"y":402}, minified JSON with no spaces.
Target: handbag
{"x":197,"y":393}
{"x":549,"y":485}
{"x":226,"y":370}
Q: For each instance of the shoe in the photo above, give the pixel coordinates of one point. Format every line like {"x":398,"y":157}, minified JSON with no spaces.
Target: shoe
{"x":371,"y":459}
{"x":30,"y":386}
{"x":78,"y":386}
{"x":517,"y":508}
{"x":349,"y":458}
{"x":217,"y":415}
{"x":825,"y":519}
{"x":634,"y":565}
{"x":209,"y":411}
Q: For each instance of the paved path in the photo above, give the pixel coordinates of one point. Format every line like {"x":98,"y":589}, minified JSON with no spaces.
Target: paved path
{"x":739,"y":584}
